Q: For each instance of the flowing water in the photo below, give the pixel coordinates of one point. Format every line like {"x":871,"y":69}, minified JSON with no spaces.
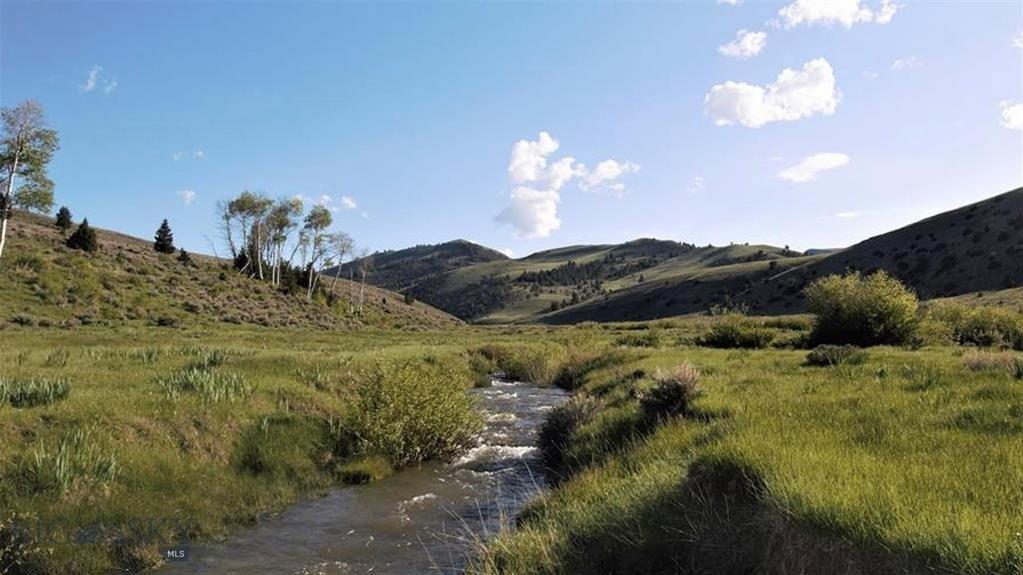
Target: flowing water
{"x":417,"y":521}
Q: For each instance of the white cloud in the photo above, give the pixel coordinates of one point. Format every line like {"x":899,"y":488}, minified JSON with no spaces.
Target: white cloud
{"x":746,"y":45}
{"x":1017,"y":40}
{"x":811,"y":166}
{"x":906,"y":63}
{"x":187,"y":196}
{"x":348,"y":203}
{"x":364,"y":215}
{"x":795,"y":94}
{"x":847,"y":215}
{"x":831,"y":12}
{"x":508,"y":252}
{"x":1012,"y":114}
{"x":110,"y":87}
{"x":91,"y":80}
{"x":533,"y":207}
{"x":199,"y":154}
{"x":606,"y":175}
{"x":695,"y":185}
{"x":730,"y":2}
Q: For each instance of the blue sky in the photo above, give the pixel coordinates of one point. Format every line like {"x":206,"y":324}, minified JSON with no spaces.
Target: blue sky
{"x":889,"y":112}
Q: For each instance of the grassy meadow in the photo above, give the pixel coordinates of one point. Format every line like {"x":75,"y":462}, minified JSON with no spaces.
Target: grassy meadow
{"x":889,"y":459}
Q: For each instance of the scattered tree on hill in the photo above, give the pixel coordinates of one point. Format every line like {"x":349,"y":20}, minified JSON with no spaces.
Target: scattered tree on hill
{"x":64,"y":222}
{"x":341,"y":246}
{"x":164,"y":239}
{"x":84,"y":238}
{"x":26,"y":147}
{"x":281,"y":221}
{"x":184,"y":258}
{"x":313,"y":243}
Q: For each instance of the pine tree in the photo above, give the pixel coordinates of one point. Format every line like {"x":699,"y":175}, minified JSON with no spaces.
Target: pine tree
{"x":64,"y":222}
{"x":84,"y":238}
{"x":164,"y":239}
{"x":184,"y":258}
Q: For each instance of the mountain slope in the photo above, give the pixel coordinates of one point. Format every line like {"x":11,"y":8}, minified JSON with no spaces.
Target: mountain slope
{"x":975,"y":248}
{"x":126,"y":281}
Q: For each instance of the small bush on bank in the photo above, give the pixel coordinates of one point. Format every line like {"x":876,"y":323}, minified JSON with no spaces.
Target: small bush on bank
{"x":984,"y":326}
{"x":673,"y":392}
{"x":557,"y":429}
{"x":578,"y":365}
{"x":413,"y":411}
{"x":34,"y":392}
{"x":737,"y":331}
{"x":826,"y":355}
{"x":861,"y":310}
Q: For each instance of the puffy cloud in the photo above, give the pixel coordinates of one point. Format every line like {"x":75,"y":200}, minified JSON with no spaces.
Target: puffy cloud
{"x":348,"y":203}
{"x":831,"y":12}
{"x":906,"y":63}
{"x":91,"y":80}
{"x":746,"y":45}
{"x":810,"y":166}
{"x":533,"y":213}
{"x":794,"y":95}
{"x":533,"y":207}
{"x":1017,"y":40}
{"x":1012,"y":114}
{"x":847,"y":215}
{"x":187,"y":196}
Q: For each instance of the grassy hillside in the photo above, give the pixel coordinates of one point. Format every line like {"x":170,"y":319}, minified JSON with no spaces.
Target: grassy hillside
{"x":127,"y":282}
{"x":503,"y":290}
{"x":972,"y":249}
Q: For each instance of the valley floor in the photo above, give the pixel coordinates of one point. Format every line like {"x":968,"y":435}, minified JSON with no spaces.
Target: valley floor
{"x":905,"y":462}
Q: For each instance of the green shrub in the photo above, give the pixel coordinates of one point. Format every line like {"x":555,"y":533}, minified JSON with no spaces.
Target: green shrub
{"x":985,"y":326}
{"x":826,"y":355}
{"x":861,"y":310}
{"x":736,"y":331}
{"x":34,"y":392}
{"x":579,"y":364}
{"x":77,"y":459}
{"x":538,"y":364}
{"x":84,"y":238}
{"x":557,"y":429}
{"x":412,"y":411}
{"x":650,"y":337}
{"x":673,"y":392}
{"x":482,"y":367}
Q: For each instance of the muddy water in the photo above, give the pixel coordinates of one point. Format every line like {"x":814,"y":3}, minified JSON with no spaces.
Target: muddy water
{"x":418,"y":521}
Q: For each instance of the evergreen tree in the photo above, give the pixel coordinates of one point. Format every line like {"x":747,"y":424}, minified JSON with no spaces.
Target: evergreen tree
{"x":164,"y":239}
{"x":84,"y":238}
{"x":184,"y":258}
{"x":64,"y":222}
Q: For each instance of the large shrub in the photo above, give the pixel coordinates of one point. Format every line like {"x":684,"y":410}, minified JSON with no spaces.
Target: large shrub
{"x":862,"y":310}
{"x":985,"y":326}
{"x":737,"y":331}
{"x":413,"y":410}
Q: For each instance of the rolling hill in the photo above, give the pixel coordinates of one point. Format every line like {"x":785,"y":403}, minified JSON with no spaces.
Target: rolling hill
{"x":976,"y":248}
{"x":126,"y":281}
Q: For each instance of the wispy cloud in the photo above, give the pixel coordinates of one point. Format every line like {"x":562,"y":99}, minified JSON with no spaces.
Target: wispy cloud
{"x":348,"y":203}
{"x":746,"y":45}
{"x":187,"y":196}
{"x":906,"y":63}
{"x":96,"y":79}
{"x":847,"y":215}
{"x":197,"y":154}
{"x":1017,"y":40}
{"x":91,"y":80}
{"x":809,"y":168}
{"x":695,"y":185}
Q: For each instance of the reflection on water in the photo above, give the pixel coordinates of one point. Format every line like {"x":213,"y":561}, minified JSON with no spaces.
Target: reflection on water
{"x":413,"y":522}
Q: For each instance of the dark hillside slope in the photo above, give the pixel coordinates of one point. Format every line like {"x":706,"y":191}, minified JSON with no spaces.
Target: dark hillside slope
{"x":975,"y":248}
{"x":42,"y":282}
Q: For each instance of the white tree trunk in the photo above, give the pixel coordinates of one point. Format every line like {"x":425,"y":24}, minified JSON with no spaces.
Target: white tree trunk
{"x":7,"y":204}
